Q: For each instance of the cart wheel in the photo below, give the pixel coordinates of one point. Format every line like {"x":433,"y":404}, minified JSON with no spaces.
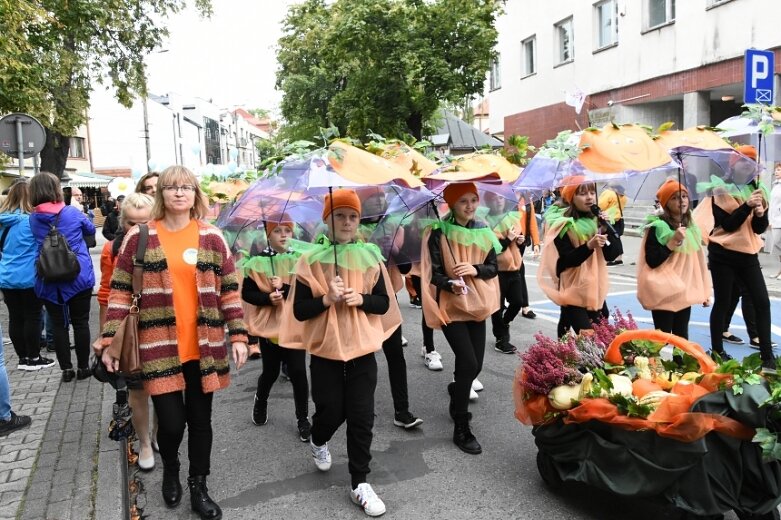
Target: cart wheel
{"x":772,"y":515}
{"x":548,"y":471}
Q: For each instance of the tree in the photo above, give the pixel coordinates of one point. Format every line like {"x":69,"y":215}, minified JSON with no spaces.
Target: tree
{"x":53,"y":50}
{"x":381,"y":65}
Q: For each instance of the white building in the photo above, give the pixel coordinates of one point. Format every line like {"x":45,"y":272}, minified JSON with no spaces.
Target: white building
{"x":646,"y":61}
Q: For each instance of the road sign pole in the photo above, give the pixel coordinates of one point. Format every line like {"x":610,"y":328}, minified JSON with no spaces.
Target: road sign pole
{"x":20,"y":144}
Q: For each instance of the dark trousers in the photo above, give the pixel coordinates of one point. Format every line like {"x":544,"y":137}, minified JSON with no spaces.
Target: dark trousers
{"x":344,"y":391}
{"x":750,"y":274}
{"x":191,"y":408}
{"x":524,"y":289}
{"x":75,"y":312}
{"x":273,"y":357}
{"x":397,"y":371}
{"x":24,"y":321}
{"x":428,"y":332}
{"x":509,"y":290}
{"x":467,"y":339}
{"x":675,"y":322}
{"x":740,"y":294}
{"x":579,"y":318}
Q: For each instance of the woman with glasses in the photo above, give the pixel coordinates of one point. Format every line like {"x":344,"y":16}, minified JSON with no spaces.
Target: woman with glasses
{"x":190,"y":295}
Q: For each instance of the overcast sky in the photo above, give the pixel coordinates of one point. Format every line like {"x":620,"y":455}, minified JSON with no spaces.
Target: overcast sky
{"x":229,"y":58}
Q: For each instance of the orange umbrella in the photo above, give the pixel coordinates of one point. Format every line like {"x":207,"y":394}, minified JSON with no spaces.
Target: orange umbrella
{"x":362,"y":167}
{"x":487,"y":163}
{"x":414,"y":161}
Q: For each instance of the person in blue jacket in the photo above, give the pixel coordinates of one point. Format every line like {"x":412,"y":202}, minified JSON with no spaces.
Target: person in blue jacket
{"x":66,"y":302}
{"x":17,"y":278}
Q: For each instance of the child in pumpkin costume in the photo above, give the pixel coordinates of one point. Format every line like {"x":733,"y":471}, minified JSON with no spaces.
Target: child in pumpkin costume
{"x":341,"y":314}
{"x":672,"y":274}
{"x":734,"y":218}
{"x":573,"y":268}
{"x":460,"y":291}
{"x":265,"y":289}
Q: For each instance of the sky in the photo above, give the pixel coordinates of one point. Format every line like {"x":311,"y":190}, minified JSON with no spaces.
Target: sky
{"x":229,"y":58}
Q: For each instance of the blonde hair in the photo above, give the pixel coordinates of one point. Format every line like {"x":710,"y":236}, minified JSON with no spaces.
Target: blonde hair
{"x":170,"y":176}
{"x":18,"y":198}
{"x":135,"y":201}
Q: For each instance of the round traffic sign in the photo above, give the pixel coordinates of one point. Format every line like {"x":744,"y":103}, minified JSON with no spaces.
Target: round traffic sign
{"x":33,"y":135}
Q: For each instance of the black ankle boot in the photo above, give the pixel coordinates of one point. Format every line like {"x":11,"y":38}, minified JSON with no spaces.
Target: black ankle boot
{"x":200,"y":500}
{"x":463,"y":438}
{"x":172,"y":487}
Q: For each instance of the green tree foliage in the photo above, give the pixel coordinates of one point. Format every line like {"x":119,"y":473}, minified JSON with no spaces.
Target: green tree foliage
{"x":53,"y":50}
{"x":381,"y":65}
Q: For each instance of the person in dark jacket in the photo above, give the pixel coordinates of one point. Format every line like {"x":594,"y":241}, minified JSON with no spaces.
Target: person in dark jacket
{"x":111,"y":224}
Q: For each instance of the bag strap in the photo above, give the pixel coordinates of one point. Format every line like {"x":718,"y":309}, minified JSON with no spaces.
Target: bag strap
{"x":138,"y":261}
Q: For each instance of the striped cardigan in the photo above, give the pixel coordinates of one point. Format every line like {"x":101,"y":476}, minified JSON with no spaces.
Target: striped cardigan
{"x":219,"y":303}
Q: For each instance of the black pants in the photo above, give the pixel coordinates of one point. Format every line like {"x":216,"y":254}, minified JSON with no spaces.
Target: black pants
{"x":344,"y":391}
{"x":397,"y":371}
{"x":524,"y":289}
{"x":24,"y":321}
{"x":75,"y":312}
{"x":750,"y":274}
{"x":273,"y":356}
{"x":675,"y":322}
{"x":740,"y":294}
{"x":191,"y":408}
{"x":509,"y":290}
{"x":579,"y":318}
{"x":467,"y":339}
{"x":428,"y":332}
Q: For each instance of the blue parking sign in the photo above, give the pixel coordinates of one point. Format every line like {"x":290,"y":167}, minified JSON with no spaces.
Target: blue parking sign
{"x":758,"y":77}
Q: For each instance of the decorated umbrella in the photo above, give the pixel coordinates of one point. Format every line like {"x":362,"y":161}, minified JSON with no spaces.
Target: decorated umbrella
{"x":408,"y":157}
{"x":485,"y":163}
{"x":759,"y":125}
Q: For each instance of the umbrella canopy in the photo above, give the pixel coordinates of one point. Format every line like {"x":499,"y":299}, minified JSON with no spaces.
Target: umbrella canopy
{"x":486,"y":163}
{"x":412,"y":160}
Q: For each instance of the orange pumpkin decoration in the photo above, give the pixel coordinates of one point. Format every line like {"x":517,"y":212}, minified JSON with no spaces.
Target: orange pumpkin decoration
{"x":613,"y":352}
{"x":695,"y":137}
{"x":641,"y":386}
{"x":616,"y":149}
{"x":418,"y":164}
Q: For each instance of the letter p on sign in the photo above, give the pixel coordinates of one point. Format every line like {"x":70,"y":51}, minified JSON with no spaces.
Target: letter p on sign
{"x":758,"y":79}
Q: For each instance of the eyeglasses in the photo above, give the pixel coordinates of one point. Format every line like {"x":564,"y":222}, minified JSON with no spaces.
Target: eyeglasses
{"x":187,"y":188}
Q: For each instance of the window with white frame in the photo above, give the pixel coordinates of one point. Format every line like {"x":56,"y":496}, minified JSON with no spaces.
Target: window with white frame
{"x":565,"y":41}
{"x":495,"y":74}
{"x":529,"y":53}
{"x":76,"y":148}
{"x":660,"y":12}
{"x":606,"y":22}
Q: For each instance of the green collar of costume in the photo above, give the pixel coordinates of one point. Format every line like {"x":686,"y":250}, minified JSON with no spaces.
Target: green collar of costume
{"x":584,"y":228}
{"x":483,"y":238}
{"x":741,"y":193}
{"x":692,"y":242}
{"x":503,"y":222}
{"x":355,"y":256}
{"x":280,"y":264}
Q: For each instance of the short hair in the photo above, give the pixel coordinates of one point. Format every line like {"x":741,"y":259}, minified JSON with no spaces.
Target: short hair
{"x":136,"y":201}
{"x":18,"y":198}
{"x":170,"y":176}
{"x":143,"y":179}
{"x":45,"y":187}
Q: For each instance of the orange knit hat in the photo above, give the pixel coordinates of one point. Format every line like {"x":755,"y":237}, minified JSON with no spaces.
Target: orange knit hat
{"x":455,"y":191}
{"x":570,"y":187}
{"x":341,"y":198}
{"x":748,"y":150}
{"x":669,"y":188}
{"x":275,"y":222}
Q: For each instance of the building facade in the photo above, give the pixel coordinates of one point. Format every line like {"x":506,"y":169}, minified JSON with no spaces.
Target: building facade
{"x":626,"y":61}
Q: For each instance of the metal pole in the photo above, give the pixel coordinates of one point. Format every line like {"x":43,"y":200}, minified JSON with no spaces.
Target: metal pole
{"x":146,"y":136}
{"x":20,"y":145}
{"x":36,"y":165}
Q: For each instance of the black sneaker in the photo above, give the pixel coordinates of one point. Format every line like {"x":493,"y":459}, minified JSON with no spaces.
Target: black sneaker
{"x":68,"y":374}
{"x":529,"y":315}
{"x":755,"y":344}
{"x":39,"y":363}
{"x":505,"y":347}
{"x":406,"y":420}
{"x":732,"y":339}
{"x":260,"y":411}
{"x":304,"y":430}
{"x":14,"y":423}
{"x":23,"y":364}
{"x":50,"y":348}
{"x":416,"y":303}
{"x":716,"y":356}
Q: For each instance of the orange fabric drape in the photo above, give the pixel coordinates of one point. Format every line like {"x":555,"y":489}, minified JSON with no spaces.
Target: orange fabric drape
{"x":264,"y":320}
{"x":744,"y":240}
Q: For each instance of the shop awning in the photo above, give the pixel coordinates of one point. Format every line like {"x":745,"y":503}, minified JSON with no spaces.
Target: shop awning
{"x":88,"y":180}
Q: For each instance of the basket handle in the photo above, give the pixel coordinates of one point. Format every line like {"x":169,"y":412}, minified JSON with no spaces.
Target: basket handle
{"x":613,"y":352}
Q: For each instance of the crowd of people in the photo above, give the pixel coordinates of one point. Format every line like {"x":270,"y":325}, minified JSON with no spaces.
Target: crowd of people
{"x":200,"y":304}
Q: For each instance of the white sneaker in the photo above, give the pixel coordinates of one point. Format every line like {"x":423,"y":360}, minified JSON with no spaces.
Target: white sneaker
{"x":365,"y":497}
{"x":433,"y":361}
{"x":477,"y":386}
{"x":321,"y":456}
{"x":473,"y":395}
{"x":404,"y":341}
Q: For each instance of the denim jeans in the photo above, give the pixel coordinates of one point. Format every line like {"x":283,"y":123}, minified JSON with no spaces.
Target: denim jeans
{"x":5,"y":390}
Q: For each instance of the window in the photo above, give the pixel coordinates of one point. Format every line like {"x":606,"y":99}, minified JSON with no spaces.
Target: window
{"x":606,"y":23}
{"x":529,"y":53}
{"x":495,"y":75}
{"x":76,"y":149}
{"x":564,"y":41}
{"x":660,"y":12}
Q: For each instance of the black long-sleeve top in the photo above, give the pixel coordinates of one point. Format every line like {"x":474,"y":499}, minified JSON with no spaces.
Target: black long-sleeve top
{"x":731,"y":222}
{"x":488,"y":269}
{"x":571,"y":256}
{"x":306,"y":306}
{"x":251,"y":293}
{"x":655,"y":252}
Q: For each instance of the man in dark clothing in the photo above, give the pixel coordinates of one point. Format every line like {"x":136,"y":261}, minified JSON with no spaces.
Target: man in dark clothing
{"x":111,"y":224}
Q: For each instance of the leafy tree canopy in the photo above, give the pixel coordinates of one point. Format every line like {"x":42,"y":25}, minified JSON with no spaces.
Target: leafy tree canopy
{"x":381,"y":65}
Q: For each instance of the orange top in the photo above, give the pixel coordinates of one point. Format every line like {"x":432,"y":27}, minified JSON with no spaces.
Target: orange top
{"x":181,"y":253}
{"x":106,"y":270}
{"x":531,"y":218}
